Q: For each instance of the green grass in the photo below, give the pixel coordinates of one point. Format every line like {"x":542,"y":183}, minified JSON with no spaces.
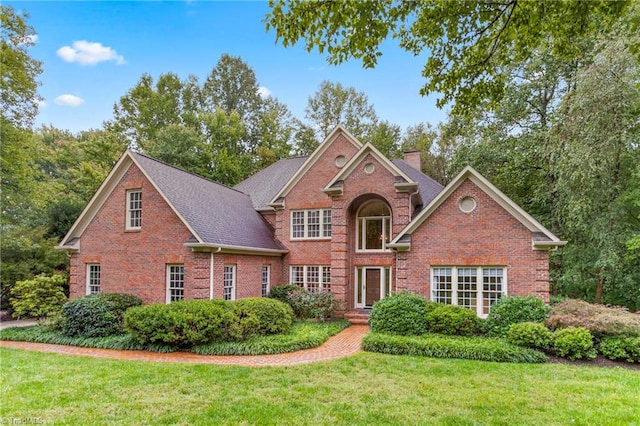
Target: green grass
{"x":303,"y":335}
{"x":365,"y":389}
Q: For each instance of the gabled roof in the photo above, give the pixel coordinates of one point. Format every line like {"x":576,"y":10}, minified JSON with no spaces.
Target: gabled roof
{"x":265,"y":184}
{"x":217,"y":216}
{"x":542,"y":238}
{"x":403,"y":181}
{"x":310,"y":161}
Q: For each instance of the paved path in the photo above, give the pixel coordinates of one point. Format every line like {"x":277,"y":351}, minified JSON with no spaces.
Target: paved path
{"x":343,"y":344}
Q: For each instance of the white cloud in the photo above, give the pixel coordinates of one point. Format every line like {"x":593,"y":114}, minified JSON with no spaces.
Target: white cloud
{"x":69,"y":100}
{"x":88,"y":53}
{"x":264,"y":92}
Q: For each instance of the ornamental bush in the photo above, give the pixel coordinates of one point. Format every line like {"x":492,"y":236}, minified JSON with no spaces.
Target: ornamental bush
{"x":39,"y":297}
{"x":600,"y":320}
{"x":530,"y":334}
{"x":282,"y":292}
{"x":184,"y":323}
{"x":401,"y":313}
{"x":308,"y":305}
{"x":513,"y":310}
{"x":273,"y":316}
{"x":453,"y":320}
{"x":621,"y":348}
{"x":573,"y":343}
{"x":96,"y":315}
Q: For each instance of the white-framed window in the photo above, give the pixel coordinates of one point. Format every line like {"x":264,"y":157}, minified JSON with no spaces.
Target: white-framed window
{"x":476,"y":288}
{"x":373,"y":227}
{"x":134,"y":209}
{"x":229,"y":282}
{"x":175,"y":283}
{"x":266,"y":280}
{"x":93,"y":278}
{"x":310,"y":224}
{"x":314,"y":278}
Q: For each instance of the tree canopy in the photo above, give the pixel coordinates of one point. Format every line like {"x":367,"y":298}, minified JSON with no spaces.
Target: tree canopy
{"x":466,"y":43}
{"x":18,"y":70}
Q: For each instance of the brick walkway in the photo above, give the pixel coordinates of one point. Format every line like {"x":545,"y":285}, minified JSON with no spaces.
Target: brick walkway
{"x":343,"y":344}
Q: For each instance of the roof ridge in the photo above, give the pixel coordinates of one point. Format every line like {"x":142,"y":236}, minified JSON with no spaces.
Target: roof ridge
{"x":186,"y":171}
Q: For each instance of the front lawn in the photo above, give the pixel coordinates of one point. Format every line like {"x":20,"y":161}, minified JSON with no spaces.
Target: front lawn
{"x":364,"y":389}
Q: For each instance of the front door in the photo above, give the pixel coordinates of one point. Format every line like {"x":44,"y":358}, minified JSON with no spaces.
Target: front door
{"x":373,"y":284}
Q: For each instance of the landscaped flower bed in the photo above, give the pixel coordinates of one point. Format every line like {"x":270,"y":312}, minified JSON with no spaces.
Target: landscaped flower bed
{"x":518,"y":329}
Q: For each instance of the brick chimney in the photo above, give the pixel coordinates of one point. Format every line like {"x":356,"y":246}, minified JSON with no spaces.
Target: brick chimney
{"x":414,"y":159}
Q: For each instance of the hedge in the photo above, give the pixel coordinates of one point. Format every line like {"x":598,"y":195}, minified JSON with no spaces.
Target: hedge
{"x":438,"y":346}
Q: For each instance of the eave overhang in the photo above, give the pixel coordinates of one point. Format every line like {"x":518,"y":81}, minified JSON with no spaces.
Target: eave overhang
{"x":230,"y":249}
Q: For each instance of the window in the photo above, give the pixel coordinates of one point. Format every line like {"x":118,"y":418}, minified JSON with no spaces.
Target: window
{"x":229,"y":282}
{"x":175,"y":283}
{"x":313,"y":278}
{"x":373,"y":230}
{"x":134,"y":209}
{"x":476,"y":288}
{"x":310,"y":224}
{"x":266,"y":272}
{"x":93,"y":278}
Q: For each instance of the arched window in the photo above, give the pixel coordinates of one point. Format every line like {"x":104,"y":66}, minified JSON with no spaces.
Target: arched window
{"x":373,"y":229}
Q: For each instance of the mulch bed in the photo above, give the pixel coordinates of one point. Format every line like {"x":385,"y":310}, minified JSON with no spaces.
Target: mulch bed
{"x":600,"y":361}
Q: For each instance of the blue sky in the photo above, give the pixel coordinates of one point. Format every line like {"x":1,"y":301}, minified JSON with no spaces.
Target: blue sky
{"x":94,"y":52}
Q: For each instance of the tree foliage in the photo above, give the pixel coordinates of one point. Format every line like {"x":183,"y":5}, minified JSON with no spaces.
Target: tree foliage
{"x":467,"y":43}
{"x":19,"y":71}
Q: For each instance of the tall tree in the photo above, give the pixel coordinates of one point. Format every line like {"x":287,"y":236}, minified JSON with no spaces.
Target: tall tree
{"x":277,"y":127}
{"x":232,"y":86}
{"x":149,"y":107}
{"x":19,"y":71}
{"x":600,"y":134}
{"x":335,"y":104}
{"x":386,"y":137}
{"x":468,"y":43}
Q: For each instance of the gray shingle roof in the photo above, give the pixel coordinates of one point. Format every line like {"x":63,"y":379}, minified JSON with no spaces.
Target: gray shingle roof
{"x":217,"y":214}
{"x":265,"y":184}
{"x":428,"y":187}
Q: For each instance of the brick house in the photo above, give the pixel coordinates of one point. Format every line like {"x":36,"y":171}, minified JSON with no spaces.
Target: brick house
{"x":345,"y":219}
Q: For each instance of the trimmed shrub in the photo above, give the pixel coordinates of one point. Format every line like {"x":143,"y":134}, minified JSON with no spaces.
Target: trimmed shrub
{"x":530,"y":334}
{"x":438,"y":346}
{"x":513,"y":310}
{"x":39,"y":297}
{"x":183,"y":323}
{"x":282,"y":292}
{"x":401,"y":313}
{"x":574,"y":343}
{"x":324,"y":305}
{"x":621,"y":348}
{"x":600,"y":320}
{"x":303,"y":335}
{"x":306,"y":305}
{"x":272,"y":315}
{"x":453,"y":320}
{"x":96,"y":315}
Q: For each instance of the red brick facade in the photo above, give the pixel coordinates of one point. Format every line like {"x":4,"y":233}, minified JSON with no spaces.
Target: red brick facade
{"x":136,"y":261}
{"x":487,"y":236}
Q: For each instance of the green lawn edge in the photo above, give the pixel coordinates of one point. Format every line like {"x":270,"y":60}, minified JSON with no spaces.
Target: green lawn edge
{"x":458,"y":347}
{"x":303,"y":335}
